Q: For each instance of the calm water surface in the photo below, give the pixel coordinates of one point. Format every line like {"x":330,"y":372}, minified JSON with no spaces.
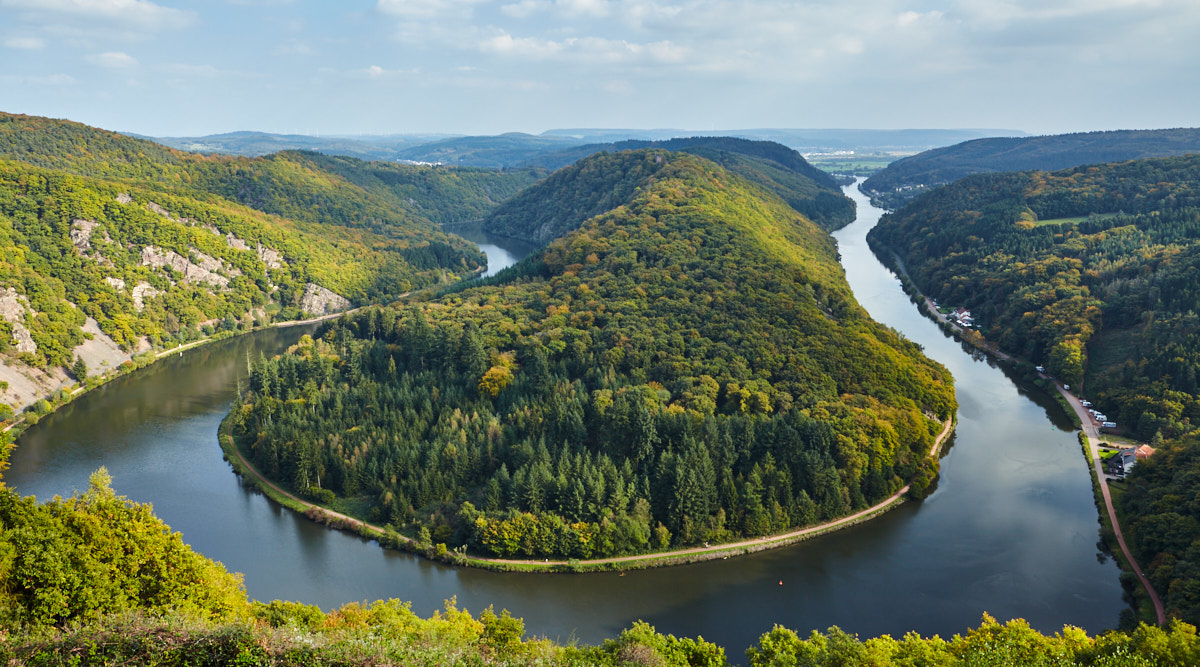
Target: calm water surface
{"x":1011,"y":529}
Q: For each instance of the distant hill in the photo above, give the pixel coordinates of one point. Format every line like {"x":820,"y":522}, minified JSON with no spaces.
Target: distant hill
{"x":255,"y":144}
{"x":772,"y":166}
{"x":906,"y":178}
{"x":386,"y":198}
{"x":504,"y":150}
{"x":804,"y":139}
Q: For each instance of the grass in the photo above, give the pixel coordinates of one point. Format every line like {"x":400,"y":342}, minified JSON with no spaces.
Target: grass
{"x":1074,"y":221}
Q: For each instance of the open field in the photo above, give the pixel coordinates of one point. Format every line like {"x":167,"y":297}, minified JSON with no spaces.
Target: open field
{"x":1074,"y":221}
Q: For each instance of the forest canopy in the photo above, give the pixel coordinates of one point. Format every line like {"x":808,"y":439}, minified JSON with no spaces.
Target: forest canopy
{"x":901,"y":181}
{"x":688,"y":366}
{"x":1092,"y":272}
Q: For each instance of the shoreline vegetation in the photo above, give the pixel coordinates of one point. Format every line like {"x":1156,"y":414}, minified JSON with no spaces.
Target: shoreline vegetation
{"x":394,"y":540}
{"x":1148,"y":602}
{"x":66,"y":395}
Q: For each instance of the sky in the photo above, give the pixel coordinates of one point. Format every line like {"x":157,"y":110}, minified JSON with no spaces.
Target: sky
{"x":187,"y":68}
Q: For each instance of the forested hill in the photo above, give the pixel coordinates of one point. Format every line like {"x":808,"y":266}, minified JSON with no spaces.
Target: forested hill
{"x":774,"y":166}
{"x":161,"y":247}
{"x":687,"y":366}
{"x":1092,"y":271}
{"x":904,"y":179}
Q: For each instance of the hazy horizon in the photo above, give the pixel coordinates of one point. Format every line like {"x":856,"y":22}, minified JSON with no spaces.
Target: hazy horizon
{"x":481,"y":67}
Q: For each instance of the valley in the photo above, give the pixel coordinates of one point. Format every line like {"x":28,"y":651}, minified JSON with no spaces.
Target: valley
{"x":965,"y":549}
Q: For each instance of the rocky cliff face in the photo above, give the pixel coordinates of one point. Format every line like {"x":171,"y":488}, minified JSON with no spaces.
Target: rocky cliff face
{"x":13,"y":308}
{"x":320,"y":301}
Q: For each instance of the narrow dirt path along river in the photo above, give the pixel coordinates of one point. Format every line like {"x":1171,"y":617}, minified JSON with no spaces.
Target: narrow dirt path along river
{"x":1011,"y":529}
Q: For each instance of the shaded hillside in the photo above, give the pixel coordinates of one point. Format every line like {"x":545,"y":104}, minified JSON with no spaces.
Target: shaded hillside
{"x":1160,"y":512}
{"x":584,"y":191}
{"x":503,"y":150}
{"x":776,"y":168}
{"x":439,"y":194}
{"x":1092,"y":271}
{"x":906,"y":178}
{"x":687,"y":366}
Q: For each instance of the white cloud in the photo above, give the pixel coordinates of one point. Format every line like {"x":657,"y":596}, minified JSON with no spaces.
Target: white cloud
{"x":592,"y":50}
{"x":205,"y":71}
{"x":427,"y":8}
{"x":142,"y":13}
{"x":524,"y":8}
{"x":377,"y":72}
{"x":112,"y":60}
{"x":594,"y":8}
{"x":47,"y":80}
{"x":25,"y":43}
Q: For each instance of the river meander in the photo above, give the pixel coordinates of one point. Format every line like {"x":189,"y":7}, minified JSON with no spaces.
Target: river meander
{"x":1011,"y":529}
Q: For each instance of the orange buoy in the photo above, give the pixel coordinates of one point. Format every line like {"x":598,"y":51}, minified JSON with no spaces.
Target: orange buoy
{"x":781,"y":582}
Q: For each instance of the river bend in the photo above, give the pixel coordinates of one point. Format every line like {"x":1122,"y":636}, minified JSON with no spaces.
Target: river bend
{"x":1011,"y":529}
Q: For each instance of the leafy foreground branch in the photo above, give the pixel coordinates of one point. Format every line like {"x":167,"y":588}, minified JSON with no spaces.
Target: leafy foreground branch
{"x":287,"y":633}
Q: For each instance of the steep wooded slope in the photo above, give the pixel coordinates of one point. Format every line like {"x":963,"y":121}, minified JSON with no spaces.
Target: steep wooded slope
{"x":161,"y":247}
{"x":1092,"y":271}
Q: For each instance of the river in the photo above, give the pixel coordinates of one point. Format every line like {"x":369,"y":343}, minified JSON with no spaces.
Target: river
{"x":1011,"y":529}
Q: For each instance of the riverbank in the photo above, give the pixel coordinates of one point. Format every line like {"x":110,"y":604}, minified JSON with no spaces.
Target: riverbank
{"x":1112,"y":534}
{"x":1092,"y":437}
{"x":65,"y":395}
{"x":392,"y":539}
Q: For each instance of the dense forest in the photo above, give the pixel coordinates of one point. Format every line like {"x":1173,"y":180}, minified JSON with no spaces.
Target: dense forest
{"x":774,"y":166}
{"x":1090,"y":271}
{"x":1160,"y":510}
{"x":908,"y":177}
{"x":689,"y":366}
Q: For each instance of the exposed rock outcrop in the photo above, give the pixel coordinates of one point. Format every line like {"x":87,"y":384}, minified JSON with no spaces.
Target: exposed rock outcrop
{"x":81,"y":237}
{"x":115,"y":283}
{"x":157,"y":258}
{"x":159,"y":210}
{"x":272,"y":258}
{"x":141,"y":292}
{"x":320,"y":301}
{"x":13,"y":308}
